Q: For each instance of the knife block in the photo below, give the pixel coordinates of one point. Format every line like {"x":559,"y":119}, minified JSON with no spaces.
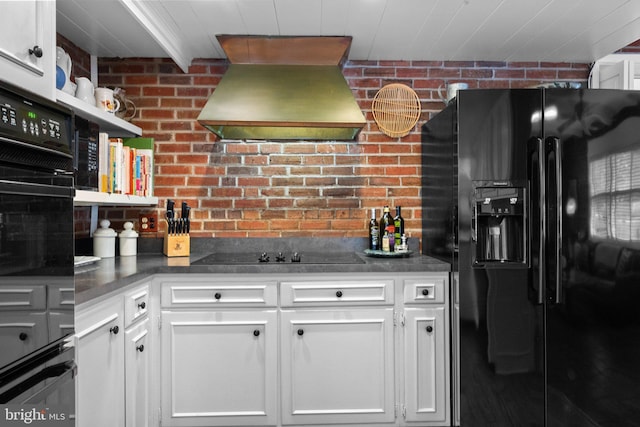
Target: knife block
{"x":176,"y":244}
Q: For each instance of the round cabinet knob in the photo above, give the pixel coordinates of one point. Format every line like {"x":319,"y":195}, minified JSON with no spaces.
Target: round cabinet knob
{"x":301,"y":332}
{"x":425,"y":292}
{"x":36,"y":50}
{"x":114,"y":330}
{"x":429,"y":329}
{"x":217,"y":295}
{"x":142,"y":305}
{"x":140,"y":348}
{"x":339,"y":294}
{"x":23,"y":336}
{"x":256,"y":333}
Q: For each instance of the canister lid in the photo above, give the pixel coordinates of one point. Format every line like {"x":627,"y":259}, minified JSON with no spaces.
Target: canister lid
{"x":128,"y":230}
{"x":104,"y":230}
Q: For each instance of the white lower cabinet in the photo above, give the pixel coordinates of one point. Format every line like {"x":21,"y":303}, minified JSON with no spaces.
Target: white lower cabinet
{"x":112,"y":382}
{"x":100,"y":360}
{"x":426,"y":393}
{"x":337,"y":366}
{"x":137,"y":374}
{"x":268,"y":350}
{"x":219,"y":368}
{"x":425,"y":338}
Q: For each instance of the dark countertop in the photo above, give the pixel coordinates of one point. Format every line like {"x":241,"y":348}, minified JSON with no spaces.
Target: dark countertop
{"x":111,"y":274}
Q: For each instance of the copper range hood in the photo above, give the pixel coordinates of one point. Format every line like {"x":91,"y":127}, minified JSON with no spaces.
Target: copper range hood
{"x":283,"y":88}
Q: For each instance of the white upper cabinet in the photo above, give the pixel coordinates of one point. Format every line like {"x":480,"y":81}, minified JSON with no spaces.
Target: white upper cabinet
{"x":27,"y":45}
{"x":617,"y":71}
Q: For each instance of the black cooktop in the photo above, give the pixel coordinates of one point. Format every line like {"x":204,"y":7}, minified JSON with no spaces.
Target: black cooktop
{"x":267,"y":258}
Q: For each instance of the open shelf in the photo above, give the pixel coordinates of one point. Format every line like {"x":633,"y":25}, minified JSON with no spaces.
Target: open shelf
{"x":108,"y":122}
{"x":95,"y":198}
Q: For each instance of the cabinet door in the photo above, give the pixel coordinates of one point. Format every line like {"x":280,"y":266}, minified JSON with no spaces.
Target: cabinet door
{"x":23,"y":26}
{"x":219,"y":368}
{"x":614,"y":76}
{"x":100,"y":379}
{"x":137,"y":367}
{"x":337,"y":366}
{"x":23,"y":332}
{"x":426,"y":366}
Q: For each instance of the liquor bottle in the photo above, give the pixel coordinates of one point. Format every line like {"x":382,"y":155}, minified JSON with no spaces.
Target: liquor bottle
{"x":387,"y":231}
{"x":398,"y":223}
{"x":374,"y":232}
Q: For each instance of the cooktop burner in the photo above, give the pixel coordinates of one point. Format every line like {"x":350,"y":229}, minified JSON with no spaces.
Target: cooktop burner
{"x":235,"y":258}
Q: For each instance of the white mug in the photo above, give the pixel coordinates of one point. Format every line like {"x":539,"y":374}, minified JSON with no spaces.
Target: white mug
{"x":105,"y":100}
{"x":85,"y":90}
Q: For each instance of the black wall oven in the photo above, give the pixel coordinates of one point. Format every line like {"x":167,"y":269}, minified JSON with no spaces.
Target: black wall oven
{"x":36,"y":260}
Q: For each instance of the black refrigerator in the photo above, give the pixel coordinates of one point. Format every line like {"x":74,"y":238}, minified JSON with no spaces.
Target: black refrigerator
{"x":533,"y":196}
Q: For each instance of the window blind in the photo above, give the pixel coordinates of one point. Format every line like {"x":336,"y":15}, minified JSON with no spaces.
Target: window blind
{"x":615,"y":196}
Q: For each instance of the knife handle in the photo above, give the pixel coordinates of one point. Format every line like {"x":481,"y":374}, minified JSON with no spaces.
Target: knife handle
{"x":187,"y":221}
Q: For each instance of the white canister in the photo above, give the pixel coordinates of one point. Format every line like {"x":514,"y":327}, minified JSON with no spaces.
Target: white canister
{"x":128,"y":240}
{"x":104,"y":240}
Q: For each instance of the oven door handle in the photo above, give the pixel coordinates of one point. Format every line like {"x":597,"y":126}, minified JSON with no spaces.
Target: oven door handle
{"x":60,"y":371}
{"x":31,"y":189}
{"x":67,"y":373}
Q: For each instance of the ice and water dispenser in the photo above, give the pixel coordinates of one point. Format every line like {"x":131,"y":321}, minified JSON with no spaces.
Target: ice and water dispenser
{"x":499,"y":225}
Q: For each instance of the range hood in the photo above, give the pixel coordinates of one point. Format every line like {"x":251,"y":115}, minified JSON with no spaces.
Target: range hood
{"x":283,"y":88}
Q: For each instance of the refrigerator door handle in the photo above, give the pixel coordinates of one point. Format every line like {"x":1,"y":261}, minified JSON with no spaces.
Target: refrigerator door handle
{"x":542,"y":209}
{"x":557,"y":188}
{"x":474,"y":229}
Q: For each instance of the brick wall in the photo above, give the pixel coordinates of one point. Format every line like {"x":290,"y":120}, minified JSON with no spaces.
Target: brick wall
{"x":274,"y":189}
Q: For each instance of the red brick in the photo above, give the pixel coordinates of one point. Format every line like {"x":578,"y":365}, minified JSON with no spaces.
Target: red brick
{"x":253,"y":182}
{"x":285,"y":160}
{"x":299,"y":148}
{"x":305,"y":170}
{"x":315,"y":225}
{"x":253,"y":225}
{"x":148,"y":113}
{"x":382,"y":160}
{"x":401,"y":170}
{"x":174,"y":169}
{"x":174,"y":102}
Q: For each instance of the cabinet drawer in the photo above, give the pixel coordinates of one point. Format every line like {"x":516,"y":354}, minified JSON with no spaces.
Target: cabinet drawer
{"x":136,"y":305}
{"x":223,"y":294}
{"x":23,"y":297}
{"x":369,"y":292}
{"x":425,"y":290}
{"x":105,"y":313}
{"x":61,"y":297}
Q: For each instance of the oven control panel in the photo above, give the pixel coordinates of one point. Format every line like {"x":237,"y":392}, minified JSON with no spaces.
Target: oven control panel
{"x":30,"y":122}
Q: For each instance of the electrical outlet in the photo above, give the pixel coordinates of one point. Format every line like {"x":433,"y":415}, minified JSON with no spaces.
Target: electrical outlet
{"x":148,"y":222}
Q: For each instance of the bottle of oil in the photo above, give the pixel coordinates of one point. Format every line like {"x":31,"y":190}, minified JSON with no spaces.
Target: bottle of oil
{"x":398,"y":223}
{"x":387,"y":231}
{"x":374,"y":232}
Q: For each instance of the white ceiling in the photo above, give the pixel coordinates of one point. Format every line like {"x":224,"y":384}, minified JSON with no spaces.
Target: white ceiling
{"x":489,"y":30}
